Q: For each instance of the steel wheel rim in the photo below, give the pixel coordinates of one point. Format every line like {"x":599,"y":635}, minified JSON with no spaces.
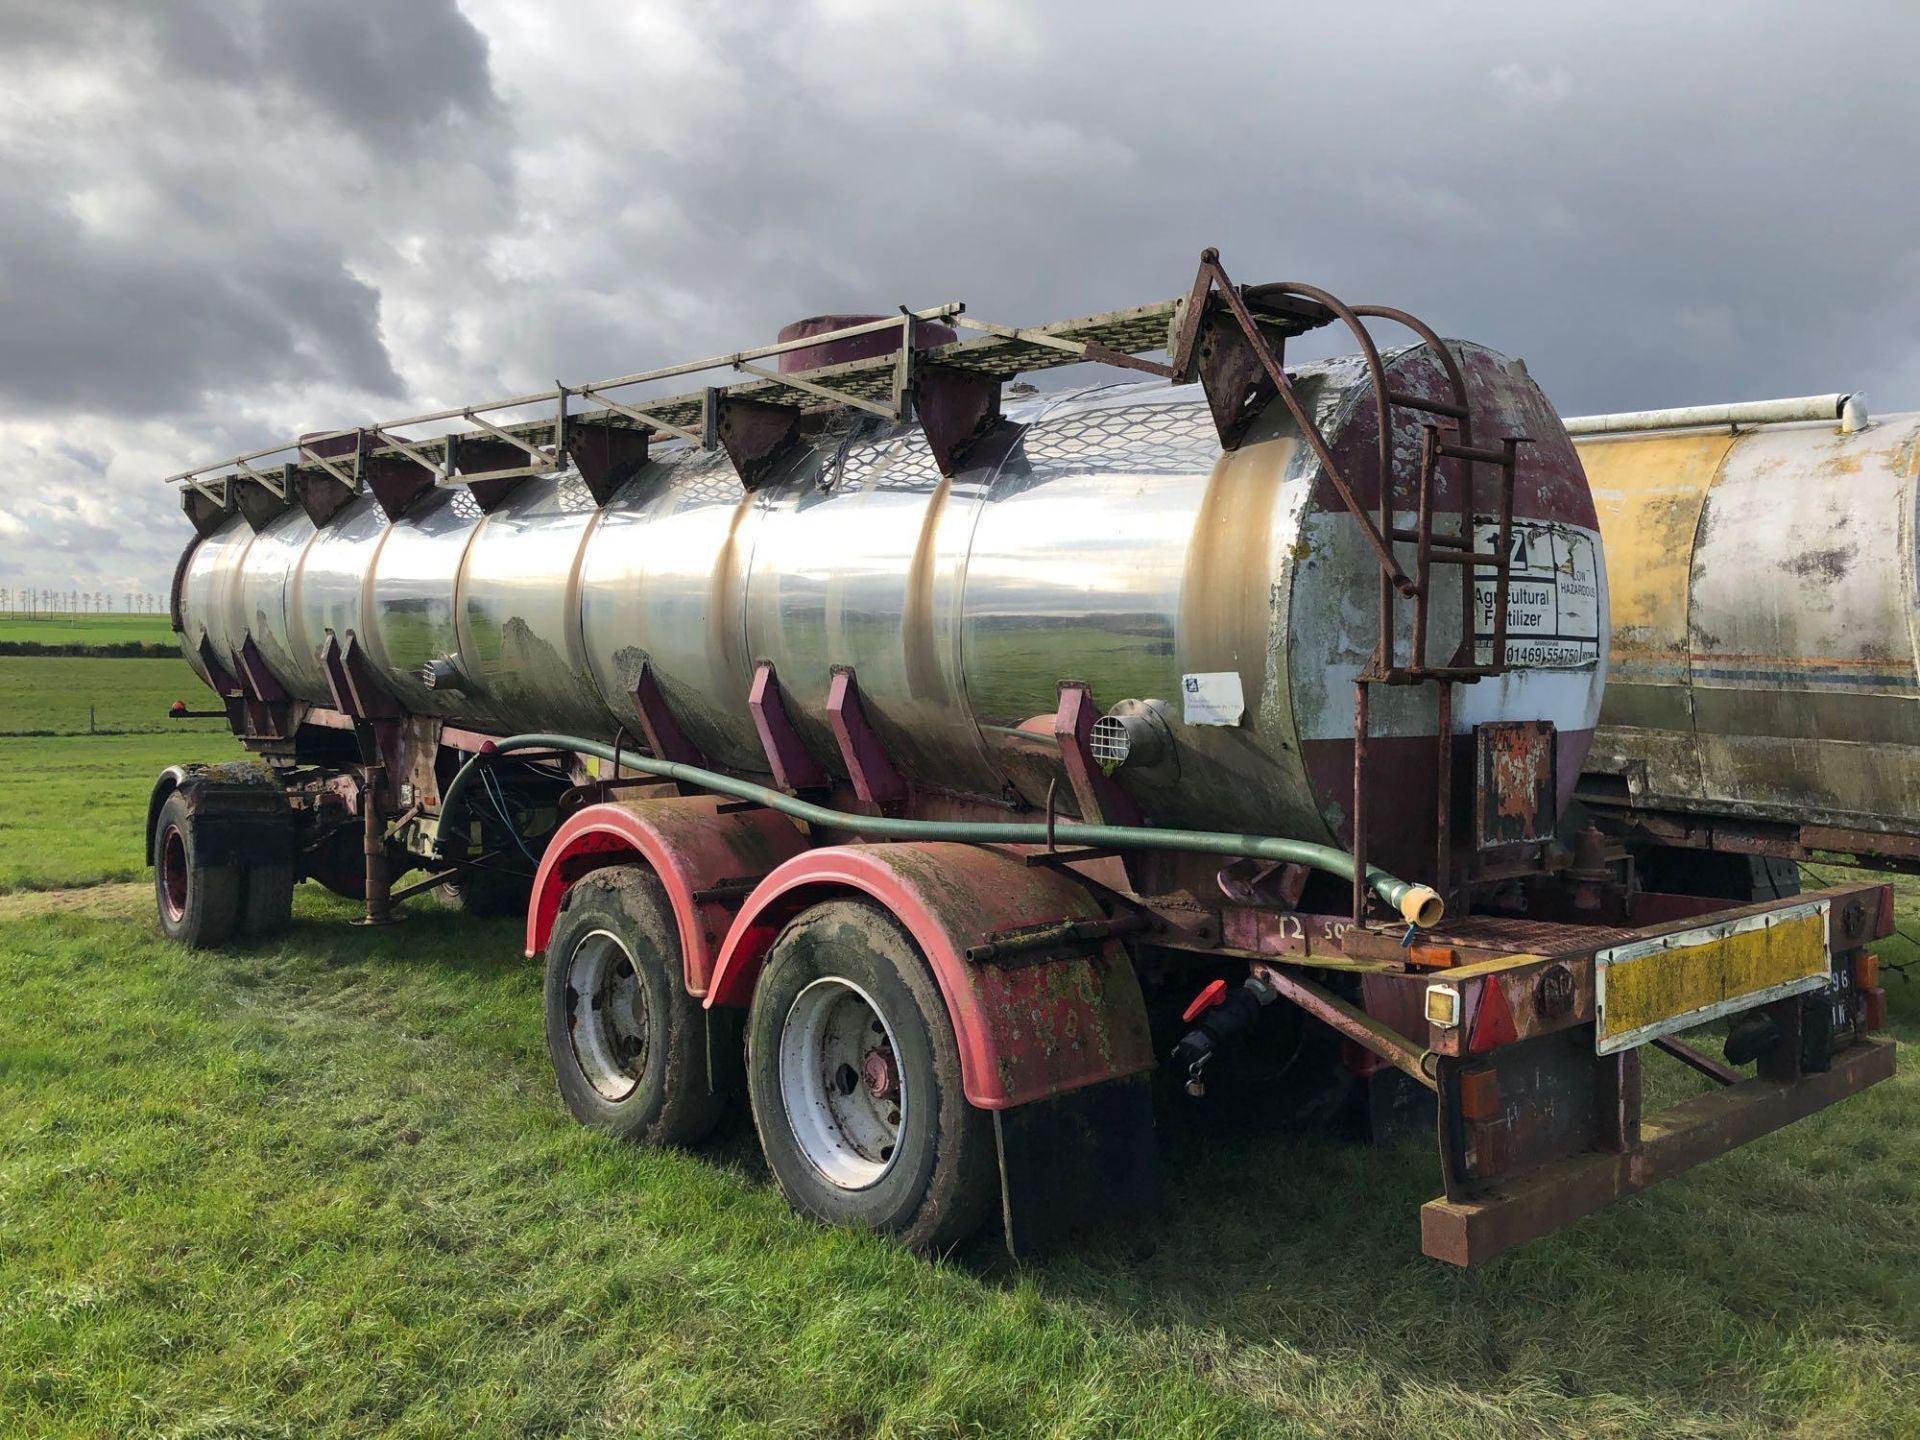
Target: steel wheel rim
{"x":841,"y":1084}
{"x":607,"y":1015}
{"x":173,"y":873}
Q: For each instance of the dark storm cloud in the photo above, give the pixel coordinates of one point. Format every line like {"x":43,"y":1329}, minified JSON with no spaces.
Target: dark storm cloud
{"x":222,"y":221}
{"x":105,"y":325}
{"x":390,"y":73}
{"x":208,"y":282}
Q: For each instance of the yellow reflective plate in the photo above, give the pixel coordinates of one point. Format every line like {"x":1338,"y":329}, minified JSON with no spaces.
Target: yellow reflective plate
{"x":1655,"y":987}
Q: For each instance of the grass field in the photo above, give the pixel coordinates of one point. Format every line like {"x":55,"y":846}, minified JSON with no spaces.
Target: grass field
{"x":53,"y":695}
{"x":108,"y":629}
{"x":324,"y":1187}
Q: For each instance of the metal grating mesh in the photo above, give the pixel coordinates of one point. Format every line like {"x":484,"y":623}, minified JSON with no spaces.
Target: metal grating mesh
{"x":1109,"y":743}
{"x":1161,"y":439}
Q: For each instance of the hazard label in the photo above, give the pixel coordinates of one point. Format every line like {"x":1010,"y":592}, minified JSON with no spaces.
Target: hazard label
{"x":1553,"y":596}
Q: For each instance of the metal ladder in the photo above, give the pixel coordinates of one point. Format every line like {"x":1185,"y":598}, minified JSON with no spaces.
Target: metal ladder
{"x":1290,"y":309}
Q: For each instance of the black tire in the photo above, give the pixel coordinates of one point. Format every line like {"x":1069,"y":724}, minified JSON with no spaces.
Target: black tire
{"x":638,"y":1071}
{"x":198,"y":904}
{"x":266,"y":901}
{"x":340,"y":862}
{"x":934,"y":1182}
{"x":487,"y":894}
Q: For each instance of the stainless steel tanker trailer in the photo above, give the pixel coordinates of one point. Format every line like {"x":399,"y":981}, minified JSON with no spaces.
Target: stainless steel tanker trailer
{"x":929,"y":760}
{"x":1763,"y":695}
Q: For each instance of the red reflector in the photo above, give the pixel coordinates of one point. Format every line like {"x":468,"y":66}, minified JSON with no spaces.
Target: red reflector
{"x":487,"y":747}
{"x":1873,"y":1011}
{"x":1493,"y":1021}
{"x":1205,"y":1001}
{"x":1480,"y":1093}
{"x":1883,"y":921}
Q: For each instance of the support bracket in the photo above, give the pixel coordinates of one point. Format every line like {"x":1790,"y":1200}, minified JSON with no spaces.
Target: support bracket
{"x":207,"y":511}
{"x":957,"y":410}
{"x":256,"y":500}
{"x":756,"y":435}
{"x":607,"y":456}
{"x":875,"y":780}
{"x":663,"y":734}
{"x":793,"y":765}
{"x":350,"y":678}
{"x":1101,"y":801}
{"x":322,"y":494}
{"x":486,"y":468}
{"x":396,"y":482}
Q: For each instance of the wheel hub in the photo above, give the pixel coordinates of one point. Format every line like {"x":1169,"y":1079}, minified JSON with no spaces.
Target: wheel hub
{"x":879,"y":1074}
{"x":173,"y":872}
{"x":841,"y":1084}
{"x":608,"y":1018}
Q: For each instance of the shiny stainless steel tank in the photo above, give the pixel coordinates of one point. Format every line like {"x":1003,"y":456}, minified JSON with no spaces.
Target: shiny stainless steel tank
{"x":1115,"y":544}
{"x":1766,"y":631}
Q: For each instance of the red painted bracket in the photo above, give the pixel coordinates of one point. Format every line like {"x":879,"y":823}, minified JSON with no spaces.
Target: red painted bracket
{"x":793,"y":765}
{"x":662,"y":732}
{"x":1101,"y":801}
{"x":255,"y":678}
{"x":322,"y":493}
{"x":223,"y":683}
{"x":875,"y":780}
{"x":350,"y":678}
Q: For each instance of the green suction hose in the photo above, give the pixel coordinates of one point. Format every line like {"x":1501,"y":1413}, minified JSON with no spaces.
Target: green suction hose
{"x":1418,"y":904}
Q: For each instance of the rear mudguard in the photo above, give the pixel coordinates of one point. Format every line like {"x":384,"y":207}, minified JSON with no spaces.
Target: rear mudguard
{"x":1038,"y":1025}
{"x":239,"y":813}
{"x":707,"y":859}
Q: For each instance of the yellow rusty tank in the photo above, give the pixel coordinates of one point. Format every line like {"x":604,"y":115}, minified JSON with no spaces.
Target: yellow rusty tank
{"x":1766,"y":637}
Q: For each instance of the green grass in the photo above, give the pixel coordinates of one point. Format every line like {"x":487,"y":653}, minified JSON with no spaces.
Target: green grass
{"x":109,"y":629}
{"x":53,"y":694}
{"x":325,"y":1187}
{"x":73,"y":809}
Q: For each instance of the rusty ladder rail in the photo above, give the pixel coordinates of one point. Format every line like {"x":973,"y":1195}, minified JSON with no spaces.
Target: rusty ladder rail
{"x":1430,"y":548}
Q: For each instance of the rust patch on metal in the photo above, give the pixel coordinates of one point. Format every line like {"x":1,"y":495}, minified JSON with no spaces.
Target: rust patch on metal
{"x":1515,"y":790}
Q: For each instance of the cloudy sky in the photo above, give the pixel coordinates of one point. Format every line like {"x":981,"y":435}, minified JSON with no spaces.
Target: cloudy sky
{"x":224,"y":221}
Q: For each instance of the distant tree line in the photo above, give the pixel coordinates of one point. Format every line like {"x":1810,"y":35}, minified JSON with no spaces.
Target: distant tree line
{"x":27,"y":602}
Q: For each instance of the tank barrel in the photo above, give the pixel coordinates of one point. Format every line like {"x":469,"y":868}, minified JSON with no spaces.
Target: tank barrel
{"x":892,"y":511}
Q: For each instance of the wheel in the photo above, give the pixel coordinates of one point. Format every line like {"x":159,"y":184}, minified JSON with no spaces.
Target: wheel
{"x":855,"y":1081}
{"x":198,"y":904}
{"x":266,"y":901}
{"x":487,"y":894}
{"x":340,"y":863}
{"x":628,"y":1043}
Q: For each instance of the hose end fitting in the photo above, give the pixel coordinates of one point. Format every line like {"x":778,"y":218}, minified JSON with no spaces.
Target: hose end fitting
{"x":1422,"y":906}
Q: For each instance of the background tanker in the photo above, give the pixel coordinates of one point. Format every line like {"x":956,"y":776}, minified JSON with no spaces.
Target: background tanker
{"x":924,"y":764}
{"x":1764,"y":694}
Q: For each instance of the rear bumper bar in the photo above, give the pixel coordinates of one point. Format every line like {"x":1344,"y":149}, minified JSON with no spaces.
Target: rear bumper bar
{"x":1468,"y":1232}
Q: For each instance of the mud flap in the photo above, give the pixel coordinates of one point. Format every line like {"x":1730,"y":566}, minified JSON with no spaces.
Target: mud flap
{"x":1077,"y":1161}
